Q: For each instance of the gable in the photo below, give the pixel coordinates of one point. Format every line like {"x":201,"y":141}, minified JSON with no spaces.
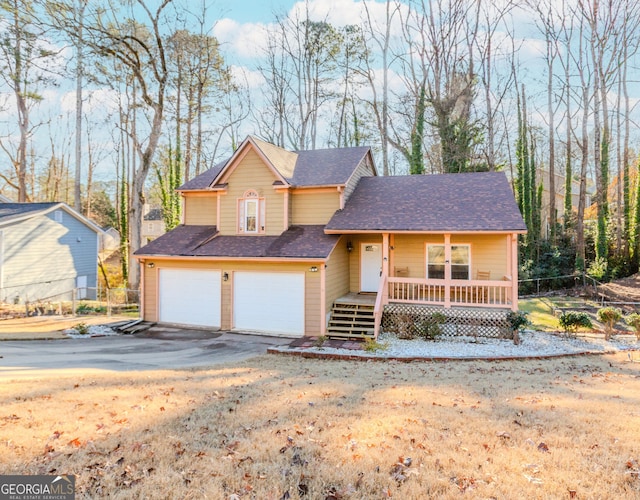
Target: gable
{"x":252,"y":174}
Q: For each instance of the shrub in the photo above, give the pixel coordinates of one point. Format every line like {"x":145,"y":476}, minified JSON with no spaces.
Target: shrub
{"x":82,"y":329}
{"x":372,"y":345}
{"x":570,"y":321}
{"x":517,"y":321}
{"x":633,"y":320}
{"x":431,"y":327}
{"x":609,"y":316}
{"x":319,"y":342}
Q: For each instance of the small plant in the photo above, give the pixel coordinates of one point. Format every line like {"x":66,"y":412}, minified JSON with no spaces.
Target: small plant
{"x":372,"y":345}
{"x":319,"y":342}
{"x":633,"y":320}
{"x":431,"y":327}
{"x":82,"y":329}
{"x":517,"y":321}
{"x":570,"y":321}
{"x":609,"y":316}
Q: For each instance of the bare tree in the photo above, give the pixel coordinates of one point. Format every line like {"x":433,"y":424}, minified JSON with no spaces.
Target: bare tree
{"x":23,"y":56}
{"x":140,"y":49}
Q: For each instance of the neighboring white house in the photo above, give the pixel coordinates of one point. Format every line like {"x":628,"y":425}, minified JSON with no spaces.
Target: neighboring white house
{"x":47,"y":250}
{"x":152,"y":224}
{"x":109,"y":241}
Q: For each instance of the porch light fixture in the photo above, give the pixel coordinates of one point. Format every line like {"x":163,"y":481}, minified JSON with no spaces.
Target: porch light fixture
{"x":313,"y":269}
{"x":151,"y":265}
{"x":225,"y":276}
{"x":349,"y":246}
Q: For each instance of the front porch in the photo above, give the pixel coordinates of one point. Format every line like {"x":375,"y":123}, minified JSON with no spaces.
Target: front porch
{"x":475,"y":308}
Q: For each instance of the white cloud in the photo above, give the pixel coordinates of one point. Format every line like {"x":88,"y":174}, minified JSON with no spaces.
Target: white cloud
{"x":253,"y":79}
{"x":243,"y":40}
{"x":103,"y":99}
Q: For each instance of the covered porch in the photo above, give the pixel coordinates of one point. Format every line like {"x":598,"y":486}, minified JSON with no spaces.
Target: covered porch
{"x":445,"y":270}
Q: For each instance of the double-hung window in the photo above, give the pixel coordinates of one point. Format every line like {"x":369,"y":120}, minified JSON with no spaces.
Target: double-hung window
{"x":251,"y":217}
{"x":460,"y":262}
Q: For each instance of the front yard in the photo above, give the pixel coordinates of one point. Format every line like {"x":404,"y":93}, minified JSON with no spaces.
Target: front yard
{"x":279,"y":427}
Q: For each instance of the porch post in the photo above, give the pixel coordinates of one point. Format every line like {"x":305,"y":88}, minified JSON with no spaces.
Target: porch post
{"x":514,"y":272}
{"x":385,"y":254}
{"x":447,"y":270}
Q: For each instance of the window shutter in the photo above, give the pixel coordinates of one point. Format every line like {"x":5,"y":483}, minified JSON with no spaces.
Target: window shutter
{"x":241,"y":221}
{"x":261,"y":218}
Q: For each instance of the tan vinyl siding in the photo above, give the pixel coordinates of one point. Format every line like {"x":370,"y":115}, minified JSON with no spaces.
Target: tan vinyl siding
{"x":315,"y":207}
{"x":200,"y":210}
{"x":488,"y":253}
{"x":312,"y":314}
{"x":364,"y":169}
{"x":252,"y":173}
{"x":337,"y":274}
{"x":150,"y":294}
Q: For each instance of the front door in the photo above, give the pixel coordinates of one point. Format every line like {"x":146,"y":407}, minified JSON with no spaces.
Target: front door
{"x":370,"y":266}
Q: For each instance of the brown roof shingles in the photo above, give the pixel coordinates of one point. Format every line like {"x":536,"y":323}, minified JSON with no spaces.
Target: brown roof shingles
{"x":444,"y":202}
{"x":320,"y":167}
{"x":304,"y":242}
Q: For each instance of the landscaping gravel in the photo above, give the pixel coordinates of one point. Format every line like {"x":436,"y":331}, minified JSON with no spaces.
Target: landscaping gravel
{"x":532,"y":344}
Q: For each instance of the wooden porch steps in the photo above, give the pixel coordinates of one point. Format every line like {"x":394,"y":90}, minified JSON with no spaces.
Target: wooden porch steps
{"x":351,"y":320}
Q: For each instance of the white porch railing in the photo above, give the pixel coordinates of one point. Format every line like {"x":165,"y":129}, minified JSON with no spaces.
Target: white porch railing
{"x":476,"y":293}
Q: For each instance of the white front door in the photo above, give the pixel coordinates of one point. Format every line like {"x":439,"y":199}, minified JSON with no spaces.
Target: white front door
{"x":370,"y":266}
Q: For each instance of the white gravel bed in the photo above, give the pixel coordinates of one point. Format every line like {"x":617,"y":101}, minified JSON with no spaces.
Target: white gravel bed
{"x":93,"y":331}
{"x":532,"y":344}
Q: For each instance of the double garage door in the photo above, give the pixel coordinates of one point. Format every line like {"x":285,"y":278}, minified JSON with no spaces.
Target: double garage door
{"x":262,"y":301}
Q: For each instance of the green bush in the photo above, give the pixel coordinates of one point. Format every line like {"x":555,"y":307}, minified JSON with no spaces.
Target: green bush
{"x":82,"y":329}
{"x":431,"y":327}
{"x":570,"y":321}
{"x":633,"y":320}
{"x":517,"y":320}
{"x":372,"y":345}
{"x":609,"y":316}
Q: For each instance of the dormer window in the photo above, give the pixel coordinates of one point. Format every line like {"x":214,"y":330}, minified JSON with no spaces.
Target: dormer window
{"x":251,"y":217}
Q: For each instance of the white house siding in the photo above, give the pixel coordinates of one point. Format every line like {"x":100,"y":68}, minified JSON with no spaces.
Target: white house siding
{"x":43,"y":258}
{"x":364,"y":169}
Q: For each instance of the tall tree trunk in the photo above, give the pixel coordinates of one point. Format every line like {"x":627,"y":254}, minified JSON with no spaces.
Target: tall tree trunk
{"x":77,"y":193}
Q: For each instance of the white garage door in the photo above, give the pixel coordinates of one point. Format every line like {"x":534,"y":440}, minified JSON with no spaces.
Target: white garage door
{"x":189,"y":297}
{"x":269,"y":302}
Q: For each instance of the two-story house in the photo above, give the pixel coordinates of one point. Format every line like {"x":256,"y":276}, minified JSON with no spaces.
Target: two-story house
{"x":273,"y":239}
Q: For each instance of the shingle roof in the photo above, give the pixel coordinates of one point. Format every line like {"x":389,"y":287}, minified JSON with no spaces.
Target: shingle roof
{"x":203,"y":180}
{"x":322,"y":167}
{"x":153,"y":214}
{"x":444,"y":202}
{"x":318,"y":167}
{"x":9,"y":211}
{"x":203,"y":241}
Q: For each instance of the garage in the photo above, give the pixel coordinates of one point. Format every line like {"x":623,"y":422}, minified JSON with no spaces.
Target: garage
{"x":189,"y":297}
{"x":269,"y":302}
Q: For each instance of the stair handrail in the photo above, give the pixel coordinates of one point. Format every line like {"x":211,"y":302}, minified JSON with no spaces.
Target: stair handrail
{"x":382,"y":298}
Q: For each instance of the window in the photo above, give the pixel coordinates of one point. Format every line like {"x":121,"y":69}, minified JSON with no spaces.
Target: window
{"x":460,"y":262}
{"x":57,"y":215}
{"x":251,"y":215}
{"x":435,"y":262}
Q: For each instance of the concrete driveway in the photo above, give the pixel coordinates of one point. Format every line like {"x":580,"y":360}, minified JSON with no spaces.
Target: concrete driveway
{"x":156,"y":349}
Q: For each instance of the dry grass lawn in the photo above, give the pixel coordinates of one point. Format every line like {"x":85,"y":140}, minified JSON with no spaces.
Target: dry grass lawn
{"x":281,"y":427}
